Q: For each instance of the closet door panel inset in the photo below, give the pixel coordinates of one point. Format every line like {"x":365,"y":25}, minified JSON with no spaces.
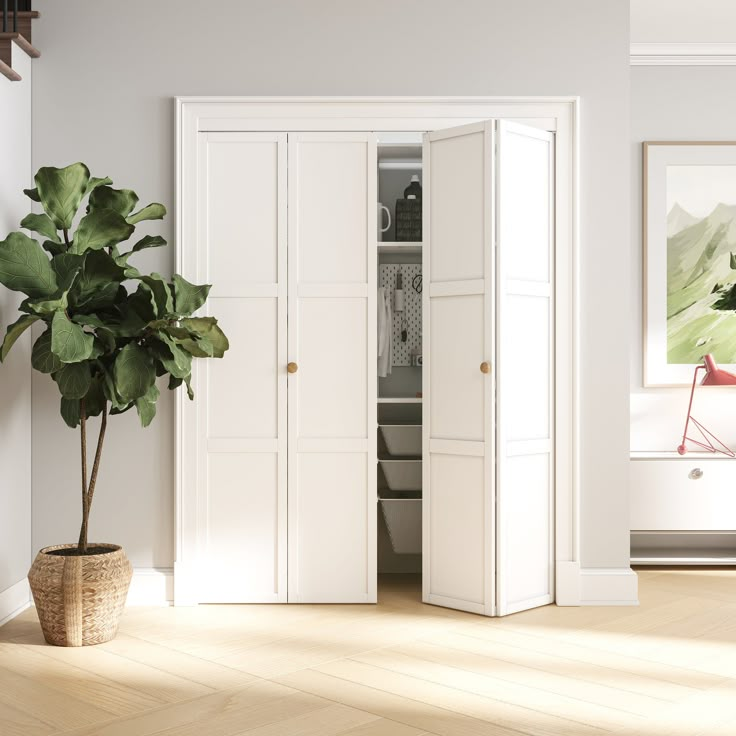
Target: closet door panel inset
{"x":331,"y":211}
{"x":333,"y":339}
{"x":458,"y":494}
{"x":243,"y":209}
{"x":458,"y":568}
{"x":241,"y":399}
{"x":332,"y":391}
{"x":242,"y":513}
{"x":458,"y":237}
{"x":243,"y":389}
{"x":456,"y":383}
{"x":330,"y":542}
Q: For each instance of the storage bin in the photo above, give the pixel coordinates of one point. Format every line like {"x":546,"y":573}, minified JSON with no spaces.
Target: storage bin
{"x":403,"y":440}
{"x":402,"y":475}
{"x":403,"y":516}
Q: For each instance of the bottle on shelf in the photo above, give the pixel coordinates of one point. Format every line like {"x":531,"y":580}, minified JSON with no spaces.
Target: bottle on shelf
{"x":414,"y":188}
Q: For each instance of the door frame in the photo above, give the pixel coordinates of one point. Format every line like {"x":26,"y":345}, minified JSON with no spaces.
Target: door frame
{"x":284,"y":114}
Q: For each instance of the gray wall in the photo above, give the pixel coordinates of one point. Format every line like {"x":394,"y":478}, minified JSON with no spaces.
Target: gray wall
{"x":674,"y":103}
{"x":104,"y":94}
{"x":15,"y":372}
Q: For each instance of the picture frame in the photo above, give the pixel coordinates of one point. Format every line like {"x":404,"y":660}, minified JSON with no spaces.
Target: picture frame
{"x":688,"y":276}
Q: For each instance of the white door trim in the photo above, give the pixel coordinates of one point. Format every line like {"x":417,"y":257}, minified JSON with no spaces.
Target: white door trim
{"x":561,"y":114}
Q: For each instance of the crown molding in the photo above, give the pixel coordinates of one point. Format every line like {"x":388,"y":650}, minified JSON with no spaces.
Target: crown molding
{"x":683,"y":54}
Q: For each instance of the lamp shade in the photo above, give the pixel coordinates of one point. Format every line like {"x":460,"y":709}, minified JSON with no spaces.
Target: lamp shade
{"x":715,"y":376}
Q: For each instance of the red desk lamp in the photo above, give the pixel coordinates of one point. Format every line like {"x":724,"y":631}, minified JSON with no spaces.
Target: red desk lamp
{"x":714,"y":376}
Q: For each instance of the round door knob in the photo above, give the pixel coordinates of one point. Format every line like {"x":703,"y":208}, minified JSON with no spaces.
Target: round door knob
{"x":292,"y":367}
{"x":485,"y":367}
{"x":695,"y":474}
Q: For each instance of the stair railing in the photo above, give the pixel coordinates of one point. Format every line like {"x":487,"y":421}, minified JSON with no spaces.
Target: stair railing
{"x":7,"y":15}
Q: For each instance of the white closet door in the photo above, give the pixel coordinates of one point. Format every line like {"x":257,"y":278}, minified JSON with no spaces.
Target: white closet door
{"x":332,"y":342}
{"x":458,"y":513}
{"x":525,"y":368}
{"x":241,"y":400}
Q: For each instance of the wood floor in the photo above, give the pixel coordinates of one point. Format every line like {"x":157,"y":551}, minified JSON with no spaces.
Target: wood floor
{"x":666,"y":668}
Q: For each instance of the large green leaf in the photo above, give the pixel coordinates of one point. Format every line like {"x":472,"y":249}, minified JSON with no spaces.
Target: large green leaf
{"x":14,"y":332}
{"x":74,"y":380}
{"x":208,"y":329}
{"x":54,"y":249}
{"x":42,"y":225}
{"x":61,"y":192}
{"x":70,"y":412}
{"x":58,"y":302}
{"x":121,"y":200}
{"x":95,"y":400}
{"x":32,"y":194}
{"x":95,"y":182}
{"x":148,"y":241}
{"x":188,"y":298}
{"x":100,"y":229}
{"x":134,"y":372}
{"x":104,"y":297}
{"x":42,"y":359}
{"x":154,"y":211}
{"x":69,"y":342}
{"x":175,"y":360}
{"x":162,"y":297}
{"x":25,"y":267}
{"x":146,"y":405}
{"x":66,"y":266}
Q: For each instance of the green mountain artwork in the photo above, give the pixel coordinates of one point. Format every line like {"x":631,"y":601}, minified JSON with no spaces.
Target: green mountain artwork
{"x":701,"y":285}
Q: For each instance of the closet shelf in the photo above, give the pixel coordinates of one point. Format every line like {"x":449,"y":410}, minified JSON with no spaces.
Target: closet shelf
{"x":400,"y":247}
{"x":399,"y":400}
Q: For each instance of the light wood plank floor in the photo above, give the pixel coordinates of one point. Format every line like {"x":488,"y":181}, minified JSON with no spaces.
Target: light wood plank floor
{"x":666,"y":668}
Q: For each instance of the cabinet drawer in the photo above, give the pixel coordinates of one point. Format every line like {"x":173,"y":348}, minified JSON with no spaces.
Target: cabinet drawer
{"x":688,"y":494}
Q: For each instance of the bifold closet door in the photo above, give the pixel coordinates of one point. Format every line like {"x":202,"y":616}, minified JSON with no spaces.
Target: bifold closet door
{"x":525,"y":391}
{"x":332,"y":367}
{"x":241,"y":400}
{"x":489,"y":383}
{"x":458,"y":513}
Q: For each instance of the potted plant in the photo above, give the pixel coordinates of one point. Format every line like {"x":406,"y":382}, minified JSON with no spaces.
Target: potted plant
{"x":109,"y":332}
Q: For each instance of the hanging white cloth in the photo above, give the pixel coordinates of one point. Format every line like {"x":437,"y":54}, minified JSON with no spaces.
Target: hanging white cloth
{"x":385,"y":333}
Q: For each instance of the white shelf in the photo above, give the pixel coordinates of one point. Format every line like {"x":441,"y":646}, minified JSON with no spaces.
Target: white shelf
{"x":406,"y":247}
{"x":678,"y":558}
{"x":399,"y":399}
{"x":674,"y":455}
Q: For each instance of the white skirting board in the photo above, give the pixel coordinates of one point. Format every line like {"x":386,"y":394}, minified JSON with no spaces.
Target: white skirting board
{"x":151,"y":586}
{"x":605,"y":586}
{"x":14,"y":600}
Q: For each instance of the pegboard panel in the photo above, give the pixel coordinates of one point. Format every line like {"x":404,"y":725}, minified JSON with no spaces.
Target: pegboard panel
{"x":412,"y":315}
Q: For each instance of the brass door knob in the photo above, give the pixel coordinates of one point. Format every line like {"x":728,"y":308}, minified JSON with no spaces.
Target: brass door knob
{"x":292,"y":367}
{"x":485,"y":367}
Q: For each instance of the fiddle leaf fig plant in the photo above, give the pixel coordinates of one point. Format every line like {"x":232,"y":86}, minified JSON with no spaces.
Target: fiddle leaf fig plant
{"x":109,"y":331}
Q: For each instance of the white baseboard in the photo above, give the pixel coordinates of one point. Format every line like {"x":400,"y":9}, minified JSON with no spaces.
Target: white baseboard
{"x":567,"y":583}
{"x":14,"y":600}
{"x":605,"y":586}
{"x":151,"y":586}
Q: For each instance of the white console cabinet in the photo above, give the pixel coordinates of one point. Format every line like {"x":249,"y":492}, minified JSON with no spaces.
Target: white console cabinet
{"x":683,"y":509}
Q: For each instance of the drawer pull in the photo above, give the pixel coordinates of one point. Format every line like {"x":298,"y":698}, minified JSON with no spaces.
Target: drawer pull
{"x":695,"y":474}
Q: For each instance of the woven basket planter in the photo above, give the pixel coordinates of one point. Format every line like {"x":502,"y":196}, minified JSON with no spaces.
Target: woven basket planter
{"x":80,"y":599}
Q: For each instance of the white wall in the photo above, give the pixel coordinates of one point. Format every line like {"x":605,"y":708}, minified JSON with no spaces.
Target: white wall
{"x":104,"y":94}
{"x":15,"y":373}
{"x":682,"y":21}
{"x":674,"y":103}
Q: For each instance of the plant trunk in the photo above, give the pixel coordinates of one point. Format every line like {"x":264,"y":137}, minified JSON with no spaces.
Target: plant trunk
{"x":88,"y":490}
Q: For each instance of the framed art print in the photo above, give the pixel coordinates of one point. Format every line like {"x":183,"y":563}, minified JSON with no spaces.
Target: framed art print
{"x":689,"y":244}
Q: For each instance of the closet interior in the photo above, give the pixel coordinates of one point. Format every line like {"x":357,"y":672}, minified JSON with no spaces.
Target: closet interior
{"x":399,"y":276}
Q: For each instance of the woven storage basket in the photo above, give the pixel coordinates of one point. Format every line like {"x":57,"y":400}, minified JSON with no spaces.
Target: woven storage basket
{"x":80,"y":599}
